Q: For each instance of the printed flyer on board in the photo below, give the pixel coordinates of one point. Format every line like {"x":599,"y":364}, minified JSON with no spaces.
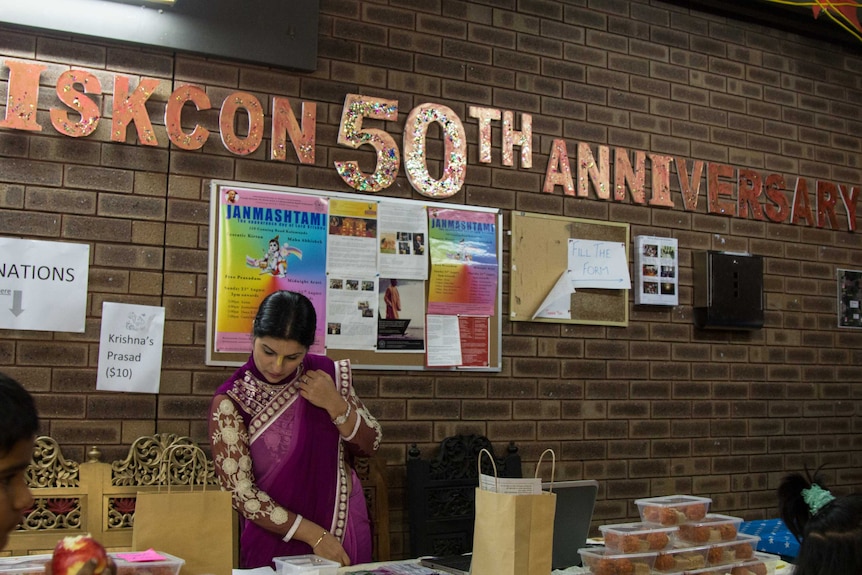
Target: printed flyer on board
{"x":464,"y":266}
{"x":268,"y":241}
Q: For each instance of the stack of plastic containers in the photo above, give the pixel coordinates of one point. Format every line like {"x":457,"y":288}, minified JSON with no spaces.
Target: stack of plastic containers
{"x":677,"y":534}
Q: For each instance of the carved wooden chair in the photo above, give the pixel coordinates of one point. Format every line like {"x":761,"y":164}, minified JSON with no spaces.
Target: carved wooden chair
{"x":372,"y":474}
{"x":441,"y":493}
{"x":99,"y":498}
{"x":95,"y":497}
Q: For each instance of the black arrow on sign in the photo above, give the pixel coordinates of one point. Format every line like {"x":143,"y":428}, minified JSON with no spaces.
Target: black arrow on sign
{"x":16,"y":303}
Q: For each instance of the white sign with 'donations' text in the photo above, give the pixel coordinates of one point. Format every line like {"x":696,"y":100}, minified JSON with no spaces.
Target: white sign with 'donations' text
{"x":130,"y":348}
{"x":43,"y":285}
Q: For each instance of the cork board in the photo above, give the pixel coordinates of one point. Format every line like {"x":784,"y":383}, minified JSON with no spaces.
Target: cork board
{"x":539,"y":256}
{"x":360,"y":358}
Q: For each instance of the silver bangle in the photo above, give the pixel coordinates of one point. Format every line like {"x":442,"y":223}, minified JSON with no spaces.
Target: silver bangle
{"x":342,"y":419}
{"x":289,"y":535}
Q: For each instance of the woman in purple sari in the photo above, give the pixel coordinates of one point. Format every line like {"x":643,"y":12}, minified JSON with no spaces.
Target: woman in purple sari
{"x":285,"y":428}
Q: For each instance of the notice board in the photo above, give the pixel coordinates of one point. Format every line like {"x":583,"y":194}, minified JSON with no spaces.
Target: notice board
{"x":265,"y":238}
{"x":539,"y":258}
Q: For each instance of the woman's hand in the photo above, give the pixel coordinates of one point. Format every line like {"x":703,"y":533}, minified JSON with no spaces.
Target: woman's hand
{"x":318,"y":388}
{"x":329,"y":547}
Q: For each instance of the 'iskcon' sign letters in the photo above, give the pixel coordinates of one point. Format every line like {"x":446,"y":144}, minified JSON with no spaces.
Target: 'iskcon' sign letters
{"x":730,"y":191}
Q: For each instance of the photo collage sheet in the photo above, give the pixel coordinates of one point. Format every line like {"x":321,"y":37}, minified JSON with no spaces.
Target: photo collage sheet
{"x":656,"y":270}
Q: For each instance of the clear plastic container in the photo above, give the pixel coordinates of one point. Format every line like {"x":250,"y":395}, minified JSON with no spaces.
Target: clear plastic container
{"x":771,"y":561}
{"x":681,"y":559}
{"x":637,"y":537}
{"x":170,"y":565}
{"x":755,"y":566}
{"x":35,"y":565}
{"x":19,"y":565}
{"x":711,"y":529}
{"x":305,"y":565}
{"x":601,"y":561}
{"x":673,"y":509}
{"x":741,"y":548}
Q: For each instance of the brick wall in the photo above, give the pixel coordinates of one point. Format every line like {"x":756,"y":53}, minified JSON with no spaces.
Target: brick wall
{"x":652,"y":408}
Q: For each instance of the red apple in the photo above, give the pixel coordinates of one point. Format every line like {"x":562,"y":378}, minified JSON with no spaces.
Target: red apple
{"x":72,"y":553}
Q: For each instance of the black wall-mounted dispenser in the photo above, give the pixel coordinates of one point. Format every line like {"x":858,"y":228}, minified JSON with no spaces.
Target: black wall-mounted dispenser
{"x":728,"y":290}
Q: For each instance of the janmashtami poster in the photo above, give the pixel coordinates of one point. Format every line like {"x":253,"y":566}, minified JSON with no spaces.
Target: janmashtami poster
{"x":267,"y":241}
{"x":464,"y":266}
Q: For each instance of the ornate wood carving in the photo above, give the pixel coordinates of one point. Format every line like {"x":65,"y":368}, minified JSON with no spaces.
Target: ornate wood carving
{"x":186,"y":463}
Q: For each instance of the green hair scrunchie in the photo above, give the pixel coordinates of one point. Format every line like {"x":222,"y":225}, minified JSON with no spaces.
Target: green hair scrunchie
{"x":816,"y":498}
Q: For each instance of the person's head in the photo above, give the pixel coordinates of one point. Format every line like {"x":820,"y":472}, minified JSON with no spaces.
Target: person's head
{"x":273,"y":245}
{"x":283,"y":330}
{"x":19,"y":423}
{"x":828,"y":528}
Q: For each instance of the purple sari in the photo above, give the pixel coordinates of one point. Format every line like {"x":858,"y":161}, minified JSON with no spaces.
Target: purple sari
{"x":298,"y":459}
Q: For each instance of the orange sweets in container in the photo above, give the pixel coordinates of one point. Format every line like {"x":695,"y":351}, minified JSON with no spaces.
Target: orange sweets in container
{"x":601,"y":561}
{"x":740,"y":548}
{"x":637,"y":537}
{"x":673,"y":509}
{"x":711,"y":529}
{"x":681,"y":559}
{"x":758,"y":565}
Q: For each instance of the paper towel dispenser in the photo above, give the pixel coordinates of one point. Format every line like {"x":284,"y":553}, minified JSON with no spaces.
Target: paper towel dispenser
{"x":728,"y":290}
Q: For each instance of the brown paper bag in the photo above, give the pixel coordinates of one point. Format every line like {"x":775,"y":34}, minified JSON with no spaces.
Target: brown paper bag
{"x":513,"y":534}
{"x":196,"y":525}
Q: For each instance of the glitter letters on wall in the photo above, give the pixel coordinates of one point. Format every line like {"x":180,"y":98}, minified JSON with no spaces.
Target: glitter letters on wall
{"x":227,"y":123}
{"x":84,"y":106}
{"x":455,"y":151}
{"x":351,"y":134}
{"x":196,"y":139}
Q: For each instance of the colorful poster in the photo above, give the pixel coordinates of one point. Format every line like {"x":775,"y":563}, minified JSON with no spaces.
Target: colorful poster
{"x":267,"y":241}
{"x":464,"y":266}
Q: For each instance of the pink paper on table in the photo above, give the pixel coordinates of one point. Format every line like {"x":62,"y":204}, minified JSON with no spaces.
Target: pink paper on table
{"x":141,"y":556}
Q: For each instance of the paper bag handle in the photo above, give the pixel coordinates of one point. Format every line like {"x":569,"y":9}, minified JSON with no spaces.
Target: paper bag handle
{"x":168,"y":455}
{"x":553,"y":467}
{"x":493,"y":463}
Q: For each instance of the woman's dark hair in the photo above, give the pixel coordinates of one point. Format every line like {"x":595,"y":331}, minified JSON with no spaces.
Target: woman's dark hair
{"x":286,"y":315}
{"x":18,"y":417}
{"x":831,"y":538}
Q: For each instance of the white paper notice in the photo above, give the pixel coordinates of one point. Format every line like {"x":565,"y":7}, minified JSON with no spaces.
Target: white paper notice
{"x":351,"y":245}
{"x":351,"y":312}
{"x":510,"y":486}
{"x":43,"y":285}
{"x":558,"y":303}
{"x":403,"y":231}
{"x":596,"y":264}
{"x":444,"y":341}
{"x":130,"y":348}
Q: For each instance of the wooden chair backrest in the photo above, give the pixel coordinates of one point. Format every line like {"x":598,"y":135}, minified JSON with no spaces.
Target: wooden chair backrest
{"x":441,"y":493}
